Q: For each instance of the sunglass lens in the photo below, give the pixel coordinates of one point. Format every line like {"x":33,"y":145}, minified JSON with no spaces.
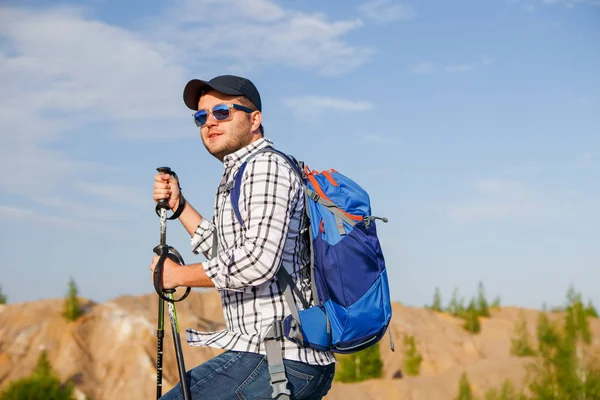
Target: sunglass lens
{"x":200,"y":118}
{"x":221,"y":112}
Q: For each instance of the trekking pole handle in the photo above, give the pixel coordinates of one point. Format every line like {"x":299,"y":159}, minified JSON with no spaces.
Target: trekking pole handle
{"x":164,"y":203}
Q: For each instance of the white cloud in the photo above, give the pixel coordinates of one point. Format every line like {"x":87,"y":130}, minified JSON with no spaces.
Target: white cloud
{"x":461,"y":67}
{"x":376,"y":139}
{"x":587,"y":156}
{"x":586,"y":160}
{"x":570,"y":3}
{"x":385,"y":11}
{"x":428,"y":67}
{"x":61,"y":72}
{"x":77,"y":216}
{"x":530,"y":5}
{"x":424,"y":67}
{"x":509,"y":188}
{"x":15,"y":213}
{"x":63,"y":62}
{"x":585,"y":101}
{"x":21,"y":214}
{"x":307,"y":105}
{"x":122,"y":194}
{"x":526,"y":169}
{"x":492,"y":211}
{"x":246,"y":35}
{"x":496,"y":198}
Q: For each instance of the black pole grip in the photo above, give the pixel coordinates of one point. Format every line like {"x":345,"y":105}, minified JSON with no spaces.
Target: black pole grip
{"x":164,"y":203}
{"x":164,"y":252}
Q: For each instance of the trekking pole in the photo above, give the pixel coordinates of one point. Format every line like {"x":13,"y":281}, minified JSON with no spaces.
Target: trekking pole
{"x":164,"y":251}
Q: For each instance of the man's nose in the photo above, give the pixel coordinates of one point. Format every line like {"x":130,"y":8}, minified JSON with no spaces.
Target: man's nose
{"x":211,"y":120}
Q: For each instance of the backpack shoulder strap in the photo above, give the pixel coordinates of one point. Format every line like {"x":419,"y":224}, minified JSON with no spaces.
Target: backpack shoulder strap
{"x":275,"y":333}
{"x":237,"y":179}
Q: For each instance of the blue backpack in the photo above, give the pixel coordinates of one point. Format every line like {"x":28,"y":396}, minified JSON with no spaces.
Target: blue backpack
{"x":352,"y":307}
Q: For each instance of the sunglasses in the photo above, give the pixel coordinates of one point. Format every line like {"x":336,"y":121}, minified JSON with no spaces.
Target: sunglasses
{"x":220,"y":112}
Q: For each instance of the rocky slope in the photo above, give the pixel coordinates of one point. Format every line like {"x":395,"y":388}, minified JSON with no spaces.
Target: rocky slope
{"x":110,"y":352}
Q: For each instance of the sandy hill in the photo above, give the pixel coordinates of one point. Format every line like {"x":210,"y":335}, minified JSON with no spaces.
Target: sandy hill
{"x":110,"y":352}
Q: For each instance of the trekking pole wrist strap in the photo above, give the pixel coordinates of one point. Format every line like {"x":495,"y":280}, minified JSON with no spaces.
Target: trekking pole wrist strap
{"x":180,"y":207}
{"x":177,"y":213}
{"x":163,"y":252}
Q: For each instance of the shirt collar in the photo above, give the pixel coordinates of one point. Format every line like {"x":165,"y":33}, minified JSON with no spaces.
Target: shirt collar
{"x":237,"y":157}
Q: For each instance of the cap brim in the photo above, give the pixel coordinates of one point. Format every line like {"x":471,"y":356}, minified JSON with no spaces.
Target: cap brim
{"x":195,"y":87}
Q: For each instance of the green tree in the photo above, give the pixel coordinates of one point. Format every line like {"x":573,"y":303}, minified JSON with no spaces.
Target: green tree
{"x":464,"y":388}
{"x":496,"y":302}
{"x":360,"y":366}
{"x":72,"y":308}
{"x":412,"y":357}
{"x":471,"y":317}
{"x":520,"y":343}
{"x":577,"y":337}
{"x":437,"y":301}
{"x":482,"y":304}
{"x":42,"y":384}
{"x":564,"y":370}
{"x":506,"y":392}
{"x":590,"y":310}
{"x":43,"y":368}
{"x":547,"y":333}
{"x":456,"y":305}
{"x":2,"y":297}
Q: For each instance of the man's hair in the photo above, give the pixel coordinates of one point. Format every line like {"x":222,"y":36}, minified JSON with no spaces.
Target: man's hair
{"x":243,"y":100}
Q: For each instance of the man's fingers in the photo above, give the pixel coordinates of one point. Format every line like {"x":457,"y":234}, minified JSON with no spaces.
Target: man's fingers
{"x":161,"y":185}
{"x":153,"y":263}
{"x":162,"y":177}
{"x":162,"y":191}
{"x":160,"y":196}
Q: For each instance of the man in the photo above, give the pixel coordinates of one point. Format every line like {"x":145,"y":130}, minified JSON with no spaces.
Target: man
{"x":244,"y":269}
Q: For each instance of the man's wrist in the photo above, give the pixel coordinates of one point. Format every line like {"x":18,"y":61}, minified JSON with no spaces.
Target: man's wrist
{"x":178,"y":210}
{"x":180,"y":204}
{"x":179,"y":278}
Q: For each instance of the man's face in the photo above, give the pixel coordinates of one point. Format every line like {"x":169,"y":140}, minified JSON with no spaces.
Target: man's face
{"x":225,"y":137}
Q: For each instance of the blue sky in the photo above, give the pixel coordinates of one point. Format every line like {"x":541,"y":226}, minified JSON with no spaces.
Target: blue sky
{"x":474,"y":125}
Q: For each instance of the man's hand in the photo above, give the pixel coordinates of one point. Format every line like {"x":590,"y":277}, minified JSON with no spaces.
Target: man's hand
{"x":166,"y":187}
{"x":170,"y":272}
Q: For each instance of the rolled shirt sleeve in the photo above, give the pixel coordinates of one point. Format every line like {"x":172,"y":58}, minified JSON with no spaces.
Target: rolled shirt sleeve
{"x":202,"y":239}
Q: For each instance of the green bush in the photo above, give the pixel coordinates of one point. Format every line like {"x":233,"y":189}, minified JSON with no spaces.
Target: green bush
{"x":72,"y":308}
{"x":437,"y":301}
{"x":456,"y":306}
{"x":521,"y":343}
{"x":590,"y":310}
{"x":43,"y":384}
{"x":478,"y":307}
{"x":412,"y":357}
{"x":563,"y":370}
{"x":496,"y":302}
{"x":38,"y":388}
{"x":464,"y":388}
{"x":506,"y":392}
{"x":483,"y":309}
{"x":359,"y":366}
{"x":471,"y":317}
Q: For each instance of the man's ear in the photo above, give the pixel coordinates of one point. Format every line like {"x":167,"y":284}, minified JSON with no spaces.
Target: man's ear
{"x":256,"y":120}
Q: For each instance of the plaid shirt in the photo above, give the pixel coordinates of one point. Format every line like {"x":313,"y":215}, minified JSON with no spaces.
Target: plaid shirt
{"x":272,"y":208}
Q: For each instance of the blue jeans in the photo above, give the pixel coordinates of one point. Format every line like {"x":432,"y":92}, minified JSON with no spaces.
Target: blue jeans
{"x":245,"y":376}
